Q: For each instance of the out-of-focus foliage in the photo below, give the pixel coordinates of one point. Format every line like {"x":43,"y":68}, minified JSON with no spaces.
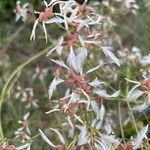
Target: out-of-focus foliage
{"x":16,"y":48}
{"x":6,"y":9}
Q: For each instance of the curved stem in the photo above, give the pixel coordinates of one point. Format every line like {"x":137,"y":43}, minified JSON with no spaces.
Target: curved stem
{"x":14,"y":73}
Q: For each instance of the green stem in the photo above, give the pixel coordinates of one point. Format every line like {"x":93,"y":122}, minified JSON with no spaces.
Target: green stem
{"x":14,"y":73}
{"x":128,"y":104}
{"x":132,"y":116}
{"x":120,"y":122}
{"x":101,"y":77}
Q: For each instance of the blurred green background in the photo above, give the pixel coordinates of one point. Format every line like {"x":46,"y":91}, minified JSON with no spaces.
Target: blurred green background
{"x":15,"y":48}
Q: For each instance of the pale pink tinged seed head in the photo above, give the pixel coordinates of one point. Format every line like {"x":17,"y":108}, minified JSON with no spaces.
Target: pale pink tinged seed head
{"x":11,"y":147}
{"x":46,"y":14}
